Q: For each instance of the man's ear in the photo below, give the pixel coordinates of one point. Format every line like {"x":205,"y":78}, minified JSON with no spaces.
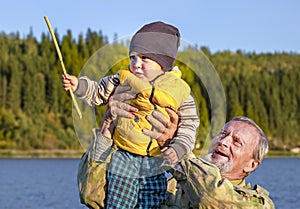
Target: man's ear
{"x":253,"y":164}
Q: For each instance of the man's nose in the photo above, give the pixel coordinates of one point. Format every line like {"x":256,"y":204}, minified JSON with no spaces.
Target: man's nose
{"x":225,"y":141}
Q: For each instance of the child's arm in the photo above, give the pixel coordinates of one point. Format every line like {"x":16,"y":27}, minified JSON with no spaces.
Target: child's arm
{"x":94,"y":93}
{"x":185,"y":138}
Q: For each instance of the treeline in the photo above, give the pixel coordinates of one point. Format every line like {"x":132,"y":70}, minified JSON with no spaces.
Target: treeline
{"x":36,"y":112}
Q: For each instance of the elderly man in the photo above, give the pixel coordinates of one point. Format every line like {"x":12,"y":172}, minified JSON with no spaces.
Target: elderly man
{"x":218,"y":179}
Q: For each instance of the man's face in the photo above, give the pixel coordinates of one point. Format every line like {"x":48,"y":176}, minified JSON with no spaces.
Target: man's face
{"x":232,"y":149}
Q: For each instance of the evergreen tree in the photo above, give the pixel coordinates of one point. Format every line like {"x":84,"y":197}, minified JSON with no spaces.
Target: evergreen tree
{"x":36,"y":113}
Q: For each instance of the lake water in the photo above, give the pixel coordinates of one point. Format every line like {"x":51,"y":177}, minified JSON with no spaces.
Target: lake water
{"x":51,"y":183}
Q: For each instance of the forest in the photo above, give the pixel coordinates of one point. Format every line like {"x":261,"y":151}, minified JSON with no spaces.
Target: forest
{"x":36,"y":113}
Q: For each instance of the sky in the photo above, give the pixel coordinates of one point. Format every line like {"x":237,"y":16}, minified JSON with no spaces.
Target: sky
{"x":261,"y":26}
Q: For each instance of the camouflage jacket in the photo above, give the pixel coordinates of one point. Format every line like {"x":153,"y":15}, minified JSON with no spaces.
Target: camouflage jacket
{"x":201,"y":186}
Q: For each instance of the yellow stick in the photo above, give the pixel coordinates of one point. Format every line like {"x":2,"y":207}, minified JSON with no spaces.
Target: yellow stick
{"x":62,"y":64}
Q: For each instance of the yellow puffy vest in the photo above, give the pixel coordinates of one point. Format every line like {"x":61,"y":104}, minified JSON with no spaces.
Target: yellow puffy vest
{"x":167,"y":90}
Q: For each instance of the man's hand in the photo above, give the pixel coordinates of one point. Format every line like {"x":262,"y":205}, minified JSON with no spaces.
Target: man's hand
{"x":164,"y":129}
{"x":117,"y":107}
{"x":107,"y":127}
{"x":117,"y":104}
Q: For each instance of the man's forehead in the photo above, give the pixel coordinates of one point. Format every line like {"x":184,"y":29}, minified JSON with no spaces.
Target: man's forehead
{"x":242,"y":129}
{"x":237,"y":125}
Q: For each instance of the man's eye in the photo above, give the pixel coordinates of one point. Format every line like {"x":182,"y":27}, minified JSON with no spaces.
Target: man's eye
{"x":131,"y":57}
{"x":222,"y":134}
{"x":237,"y":141}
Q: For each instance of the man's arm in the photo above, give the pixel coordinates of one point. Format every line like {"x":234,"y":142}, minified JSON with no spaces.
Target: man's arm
{"x":204,"y":186}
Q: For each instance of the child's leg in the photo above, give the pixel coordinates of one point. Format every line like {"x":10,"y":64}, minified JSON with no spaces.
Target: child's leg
{"x":122,"y":192}
{"x":153,"y":183}
{"x":153,"y":191}
{"x":123,"y":181}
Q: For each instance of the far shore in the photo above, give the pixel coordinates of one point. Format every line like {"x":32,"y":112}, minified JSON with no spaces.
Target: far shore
{"x":57,"y":153}
{"x":76,"y":154}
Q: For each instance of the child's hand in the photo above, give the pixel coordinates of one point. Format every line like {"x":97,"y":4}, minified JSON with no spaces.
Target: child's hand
{"x":69,"y":82}
{"x":170,"y":155}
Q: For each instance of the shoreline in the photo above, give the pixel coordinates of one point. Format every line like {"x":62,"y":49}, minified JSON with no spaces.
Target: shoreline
{"x":76,"y":154}
{"x":24,"y":154}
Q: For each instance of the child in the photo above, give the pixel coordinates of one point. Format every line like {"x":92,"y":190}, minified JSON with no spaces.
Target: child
{"x":135,"y":178}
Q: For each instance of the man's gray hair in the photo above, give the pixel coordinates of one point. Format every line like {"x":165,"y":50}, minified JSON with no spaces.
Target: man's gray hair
{"x":262,"y":147}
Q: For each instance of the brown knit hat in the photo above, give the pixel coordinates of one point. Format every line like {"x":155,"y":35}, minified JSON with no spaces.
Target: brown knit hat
{"x":158,"y":41}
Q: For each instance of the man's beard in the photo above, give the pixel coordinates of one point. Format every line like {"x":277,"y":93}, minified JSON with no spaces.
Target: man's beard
{"x":223,"y":167}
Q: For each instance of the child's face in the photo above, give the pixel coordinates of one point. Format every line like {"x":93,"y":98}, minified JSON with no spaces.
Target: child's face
{"x":143,"y":67}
